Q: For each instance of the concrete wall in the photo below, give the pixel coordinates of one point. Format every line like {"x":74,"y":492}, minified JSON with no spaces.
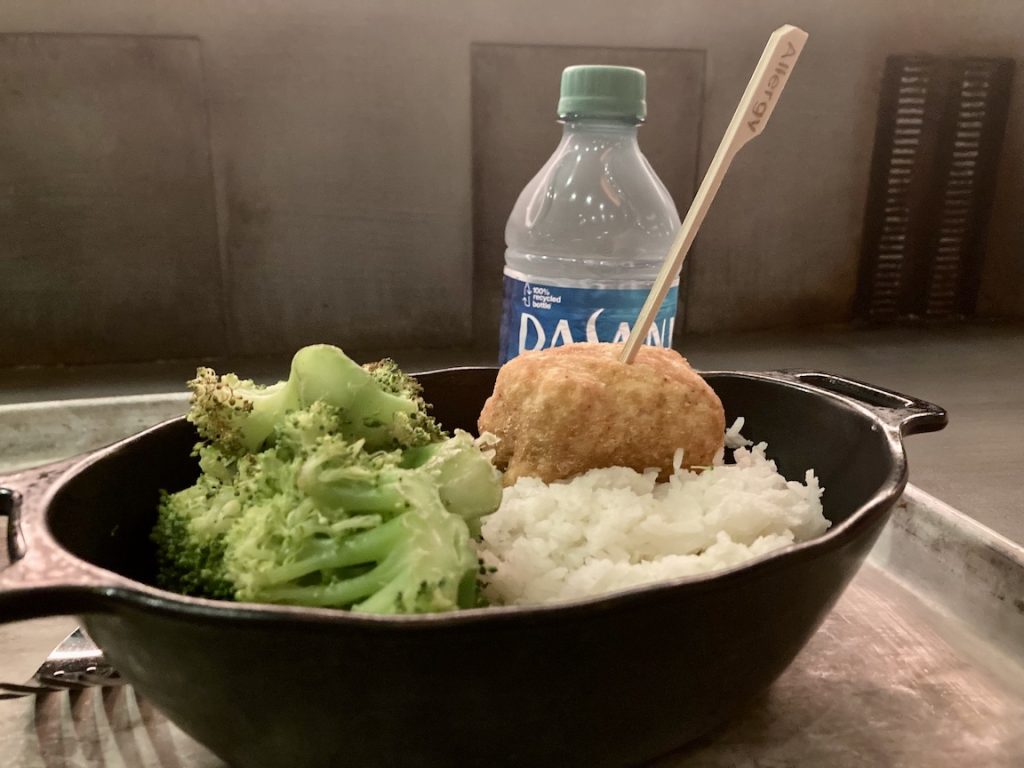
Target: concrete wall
{"x":339,"y":142}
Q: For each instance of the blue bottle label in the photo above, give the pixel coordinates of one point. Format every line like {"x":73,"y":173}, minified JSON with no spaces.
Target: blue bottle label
{"x":538,"y":315}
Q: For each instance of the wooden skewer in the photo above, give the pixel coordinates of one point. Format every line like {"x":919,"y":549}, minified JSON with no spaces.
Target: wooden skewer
{"x":756,"y":106}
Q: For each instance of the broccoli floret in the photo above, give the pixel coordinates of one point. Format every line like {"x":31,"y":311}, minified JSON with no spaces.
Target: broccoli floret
{"x":384,"y":407}
{"x":316,"y":517}
{"x":420,"y":428}
{"x":340,"y":474}
{"x":237,"y":415}
{"x":189,"y":538}
{"x":417,"y":561}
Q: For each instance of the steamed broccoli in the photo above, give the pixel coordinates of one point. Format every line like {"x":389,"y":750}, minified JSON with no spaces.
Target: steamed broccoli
{"x":467,"y":481}
{"x":316,"y":513}
{"x":381,"y":404}
{"x":190,"y":557}
{"x":417,"y":558}
{"x":419,"y":428}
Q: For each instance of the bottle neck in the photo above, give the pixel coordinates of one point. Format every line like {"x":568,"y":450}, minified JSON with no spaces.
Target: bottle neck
{"x":616,"y":130}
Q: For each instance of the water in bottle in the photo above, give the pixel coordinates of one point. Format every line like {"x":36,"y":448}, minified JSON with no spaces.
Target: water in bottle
{"x":588,"y":234}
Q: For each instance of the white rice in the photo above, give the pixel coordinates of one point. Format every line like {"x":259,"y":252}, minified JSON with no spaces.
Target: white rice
{"x":616,"y":528}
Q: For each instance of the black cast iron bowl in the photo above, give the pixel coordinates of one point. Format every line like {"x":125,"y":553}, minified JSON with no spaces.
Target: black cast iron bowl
{"x":608,"y":681}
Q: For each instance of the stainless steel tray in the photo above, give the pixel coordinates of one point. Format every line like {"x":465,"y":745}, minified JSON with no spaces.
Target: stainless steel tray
{"x":921,"y":663}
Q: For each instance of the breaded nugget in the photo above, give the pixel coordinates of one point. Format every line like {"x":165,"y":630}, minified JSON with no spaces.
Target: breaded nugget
{"x":562,"y":411}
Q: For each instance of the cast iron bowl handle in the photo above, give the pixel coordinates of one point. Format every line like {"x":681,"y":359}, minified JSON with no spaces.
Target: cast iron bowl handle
{"x":907,"y":414}
{"x":10,"y":507}
{"x":41,"y":579}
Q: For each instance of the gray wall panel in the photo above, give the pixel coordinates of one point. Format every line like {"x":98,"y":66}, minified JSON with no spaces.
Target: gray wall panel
{"x":106,"y":201}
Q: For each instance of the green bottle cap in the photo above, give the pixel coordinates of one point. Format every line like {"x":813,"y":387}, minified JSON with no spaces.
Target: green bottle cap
{"x":603,"y":91}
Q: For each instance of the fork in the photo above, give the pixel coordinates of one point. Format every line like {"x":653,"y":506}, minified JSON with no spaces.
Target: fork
{"x":76,"y":663}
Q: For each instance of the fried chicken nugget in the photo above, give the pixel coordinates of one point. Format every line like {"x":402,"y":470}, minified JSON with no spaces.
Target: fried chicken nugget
{"x":562,"y":411}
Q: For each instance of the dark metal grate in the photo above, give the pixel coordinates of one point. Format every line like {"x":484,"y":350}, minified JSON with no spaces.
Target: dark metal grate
{"x":937,"y":143}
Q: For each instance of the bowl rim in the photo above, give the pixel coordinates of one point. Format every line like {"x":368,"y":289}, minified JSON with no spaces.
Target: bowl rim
{"x":117,"y":591}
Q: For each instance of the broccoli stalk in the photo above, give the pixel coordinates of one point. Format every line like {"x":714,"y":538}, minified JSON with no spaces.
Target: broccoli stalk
{"x":417,"y":561}
{"x":467,"y":481}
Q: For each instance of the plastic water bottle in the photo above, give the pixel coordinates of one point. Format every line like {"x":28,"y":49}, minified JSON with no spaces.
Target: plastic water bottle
{"x":588,"y":234}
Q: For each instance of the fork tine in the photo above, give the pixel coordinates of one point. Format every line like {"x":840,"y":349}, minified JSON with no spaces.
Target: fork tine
{"x":57,"y":682}
{"x":107,"y":680}
{"x":74,"y":665}
{"x":14,"y":691}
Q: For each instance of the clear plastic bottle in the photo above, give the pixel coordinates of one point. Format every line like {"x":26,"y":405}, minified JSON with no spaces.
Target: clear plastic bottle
{"x":588,"y":234}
